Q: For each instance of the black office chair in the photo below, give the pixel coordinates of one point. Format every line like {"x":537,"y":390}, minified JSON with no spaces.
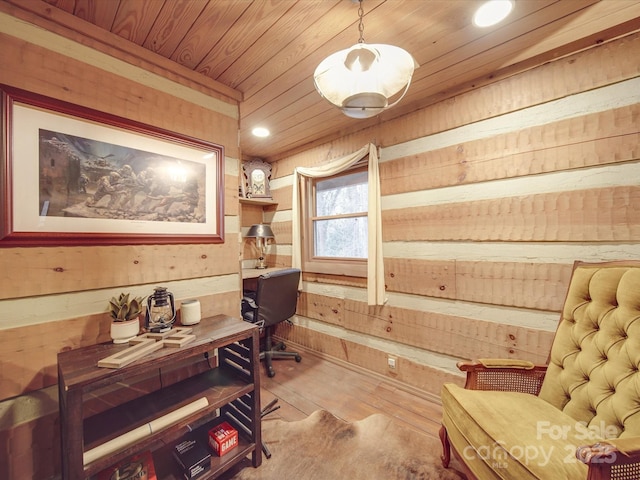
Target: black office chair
{"x":274,"y":301}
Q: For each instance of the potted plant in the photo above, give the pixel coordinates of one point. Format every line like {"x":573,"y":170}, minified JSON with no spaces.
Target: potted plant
{"x":125,"y":312}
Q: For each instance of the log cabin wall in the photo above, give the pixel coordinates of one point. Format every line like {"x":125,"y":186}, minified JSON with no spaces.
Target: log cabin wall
{"x":488,"y":198}
{"x":56,"y":298}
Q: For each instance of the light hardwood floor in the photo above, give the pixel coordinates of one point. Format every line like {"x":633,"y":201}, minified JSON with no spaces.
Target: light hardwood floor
{"x":347,"y":392}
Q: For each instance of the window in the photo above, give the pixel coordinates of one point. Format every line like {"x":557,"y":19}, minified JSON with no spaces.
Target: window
{"x":336,"y":230}
{"x":305,"y":218}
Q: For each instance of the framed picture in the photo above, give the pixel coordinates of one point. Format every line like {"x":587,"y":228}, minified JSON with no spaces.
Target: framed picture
{"x":75,"y":176}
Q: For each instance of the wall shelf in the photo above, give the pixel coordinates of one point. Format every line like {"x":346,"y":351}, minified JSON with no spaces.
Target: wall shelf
{"x":258,"y":201}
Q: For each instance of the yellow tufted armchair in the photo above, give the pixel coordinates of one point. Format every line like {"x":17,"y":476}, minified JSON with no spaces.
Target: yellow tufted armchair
{"x":576,"y":418}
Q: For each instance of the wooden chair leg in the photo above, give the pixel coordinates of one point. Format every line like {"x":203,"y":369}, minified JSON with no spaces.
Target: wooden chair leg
{"x":446,"y":447}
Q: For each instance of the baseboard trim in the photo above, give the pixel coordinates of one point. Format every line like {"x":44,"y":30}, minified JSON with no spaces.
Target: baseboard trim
{"x":363,"y":371}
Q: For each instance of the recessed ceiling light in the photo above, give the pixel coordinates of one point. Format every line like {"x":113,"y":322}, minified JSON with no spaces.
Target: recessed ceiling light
{"x":492,"y":12}
{"x":260,"y":132}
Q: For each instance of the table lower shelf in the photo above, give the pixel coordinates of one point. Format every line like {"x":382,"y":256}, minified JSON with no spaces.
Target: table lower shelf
{"x":219,"y":386}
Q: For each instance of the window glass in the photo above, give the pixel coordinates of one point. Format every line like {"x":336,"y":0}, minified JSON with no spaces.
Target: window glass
{"x":339,"y":217}
{"x":341,"y":237}
{"x":341,"y":195}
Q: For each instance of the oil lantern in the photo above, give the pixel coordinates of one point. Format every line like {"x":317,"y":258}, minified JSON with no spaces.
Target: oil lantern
{"x":161,"y":311}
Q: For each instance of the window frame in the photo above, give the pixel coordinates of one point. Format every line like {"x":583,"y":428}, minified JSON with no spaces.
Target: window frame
{"x":354,"y":267}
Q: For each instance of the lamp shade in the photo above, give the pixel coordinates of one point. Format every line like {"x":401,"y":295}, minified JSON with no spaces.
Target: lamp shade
{"x":260,"y":231}
{"x":361,"y":80}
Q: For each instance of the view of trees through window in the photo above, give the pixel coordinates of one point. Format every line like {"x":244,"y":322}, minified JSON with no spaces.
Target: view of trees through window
{"x":340,"y":221}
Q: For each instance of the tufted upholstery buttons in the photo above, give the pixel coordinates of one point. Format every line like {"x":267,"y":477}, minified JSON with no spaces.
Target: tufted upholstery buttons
{"x":597,"y":364}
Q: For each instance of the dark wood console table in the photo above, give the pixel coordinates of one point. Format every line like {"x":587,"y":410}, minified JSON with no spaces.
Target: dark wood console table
{"x":100,"y":404}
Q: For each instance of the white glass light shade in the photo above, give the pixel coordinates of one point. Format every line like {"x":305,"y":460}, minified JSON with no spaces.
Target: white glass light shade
{"x":362,"y":79}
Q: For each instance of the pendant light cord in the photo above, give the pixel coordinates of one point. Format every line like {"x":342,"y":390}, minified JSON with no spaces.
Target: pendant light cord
{"x":361,"y":24}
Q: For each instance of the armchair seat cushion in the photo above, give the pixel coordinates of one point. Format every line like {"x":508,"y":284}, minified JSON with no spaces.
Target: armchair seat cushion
{"x":511,"y":435}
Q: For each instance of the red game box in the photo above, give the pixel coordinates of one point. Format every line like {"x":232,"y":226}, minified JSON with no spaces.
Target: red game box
{"x":223,"y":438}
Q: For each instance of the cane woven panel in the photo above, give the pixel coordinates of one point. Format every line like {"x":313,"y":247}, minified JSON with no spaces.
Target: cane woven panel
{"x":508,"y":381}
{"x":625,"y":472}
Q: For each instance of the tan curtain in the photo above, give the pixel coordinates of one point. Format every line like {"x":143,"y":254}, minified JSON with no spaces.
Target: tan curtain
{"x":375,"y":265}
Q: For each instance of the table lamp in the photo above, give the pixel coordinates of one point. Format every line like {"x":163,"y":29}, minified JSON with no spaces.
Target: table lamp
{"x":261,"y":233}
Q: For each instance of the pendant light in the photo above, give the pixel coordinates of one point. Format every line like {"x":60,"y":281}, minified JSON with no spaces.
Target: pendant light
{"x":362,"y":80}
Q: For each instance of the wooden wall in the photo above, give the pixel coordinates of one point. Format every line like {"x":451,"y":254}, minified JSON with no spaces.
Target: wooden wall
{"x":488,"y":198}
{"x":56,"y":298}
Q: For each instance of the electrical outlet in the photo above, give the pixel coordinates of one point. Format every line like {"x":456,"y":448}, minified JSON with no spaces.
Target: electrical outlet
{"x":391,"y":362}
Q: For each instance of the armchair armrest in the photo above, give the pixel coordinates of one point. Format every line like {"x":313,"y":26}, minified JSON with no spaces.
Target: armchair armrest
{"x":614,"y":458}
{"x":504,"y":375}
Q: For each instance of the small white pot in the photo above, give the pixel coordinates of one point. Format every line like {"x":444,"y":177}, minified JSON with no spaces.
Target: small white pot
{"x":190,"y":312}
{"x":122,"y":332}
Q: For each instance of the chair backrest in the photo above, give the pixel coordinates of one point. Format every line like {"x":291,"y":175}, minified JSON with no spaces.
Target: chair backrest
{"x":277,"y":296}
{"x":593,"y":365}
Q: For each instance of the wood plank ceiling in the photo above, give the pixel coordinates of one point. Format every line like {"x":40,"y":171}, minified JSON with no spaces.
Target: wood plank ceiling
{"x":269,"y":49}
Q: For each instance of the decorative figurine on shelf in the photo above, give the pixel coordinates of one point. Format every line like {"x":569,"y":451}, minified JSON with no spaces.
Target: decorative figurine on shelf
{"x":161,"y":311}
{"x":255,"y":179}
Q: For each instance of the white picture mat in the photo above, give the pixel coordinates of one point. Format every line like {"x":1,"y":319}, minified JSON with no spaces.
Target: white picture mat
{"x":26,"y":123}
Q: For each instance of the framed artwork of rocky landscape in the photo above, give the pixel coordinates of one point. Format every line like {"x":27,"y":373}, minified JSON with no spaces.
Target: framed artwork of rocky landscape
{"x":75,"y":176}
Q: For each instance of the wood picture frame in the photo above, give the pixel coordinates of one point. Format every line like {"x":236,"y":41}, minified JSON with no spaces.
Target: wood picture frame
{"x":71,"y":175}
